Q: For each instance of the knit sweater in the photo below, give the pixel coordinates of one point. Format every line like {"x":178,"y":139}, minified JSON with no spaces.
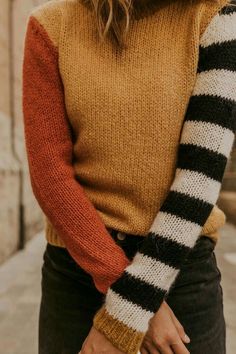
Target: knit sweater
{"x":206,"y":141}
{"x":116,"y":171}
{"x":138,"y":143}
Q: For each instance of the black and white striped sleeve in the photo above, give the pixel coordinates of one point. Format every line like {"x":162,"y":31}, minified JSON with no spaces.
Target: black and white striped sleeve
{"x":206,"y":142}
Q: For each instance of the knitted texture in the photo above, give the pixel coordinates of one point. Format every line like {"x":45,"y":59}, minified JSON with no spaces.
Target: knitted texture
{"x":49,"y":149}
{"x":75,"y":215}
{"x":126,"y":112}
{"x":206,"y":142}
{"x":104,"y":135}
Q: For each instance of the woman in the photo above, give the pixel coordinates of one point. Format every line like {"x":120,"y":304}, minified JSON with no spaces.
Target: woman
{"x":129,"y":116}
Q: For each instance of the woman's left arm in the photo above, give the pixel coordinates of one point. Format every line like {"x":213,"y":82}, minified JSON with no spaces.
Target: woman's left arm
{"x":206,"y":142}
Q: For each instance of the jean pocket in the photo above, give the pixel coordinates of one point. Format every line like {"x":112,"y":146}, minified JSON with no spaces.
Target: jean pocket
{"x":58,"y":260}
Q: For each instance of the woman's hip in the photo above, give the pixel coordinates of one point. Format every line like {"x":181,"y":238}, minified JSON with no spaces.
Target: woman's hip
{"x":197,"y":301}
{"x":70,"y":296}
{"x":196,"y":296}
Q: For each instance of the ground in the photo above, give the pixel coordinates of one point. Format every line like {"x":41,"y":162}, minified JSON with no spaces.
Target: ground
{"x":20,"y":293}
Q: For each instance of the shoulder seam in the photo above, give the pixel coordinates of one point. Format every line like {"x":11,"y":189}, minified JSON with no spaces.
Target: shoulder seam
{"x":39,"y":30}
{"x":53,"y":35}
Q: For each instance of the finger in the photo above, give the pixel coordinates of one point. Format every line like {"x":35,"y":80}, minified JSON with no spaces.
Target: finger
{"x":179,"y":348}
{"x":162,"y":347}
{"x":166,"y":350}
{"x":179,"y":328}
{"x":143,"y":350}
{"x":152,"y":349}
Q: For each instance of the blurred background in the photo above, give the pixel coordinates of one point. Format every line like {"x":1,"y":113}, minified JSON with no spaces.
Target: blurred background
{"x":21,"y":221}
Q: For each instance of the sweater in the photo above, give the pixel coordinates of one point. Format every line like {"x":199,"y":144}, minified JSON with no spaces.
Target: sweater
{"x":112,"y":167}
{"x":116,"y":171}
{"x":138,"y":143}
{"x":206,"y":141}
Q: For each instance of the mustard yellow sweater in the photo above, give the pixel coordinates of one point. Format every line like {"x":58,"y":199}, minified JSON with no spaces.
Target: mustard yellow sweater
{"x":136,"y":142}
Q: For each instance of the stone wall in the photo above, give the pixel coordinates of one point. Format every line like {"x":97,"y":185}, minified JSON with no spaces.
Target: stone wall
{"x":20,"y":215}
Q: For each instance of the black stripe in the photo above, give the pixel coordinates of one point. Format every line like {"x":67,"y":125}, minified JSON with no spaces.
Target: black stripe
{"x":201,"y":160}
{"x":187,"y":207}
{"x":139,"y":292}
{"x":218,"y":56}
{"x":165,"y":250}
{"x":228,"y":9}
{"x":212,"y":109}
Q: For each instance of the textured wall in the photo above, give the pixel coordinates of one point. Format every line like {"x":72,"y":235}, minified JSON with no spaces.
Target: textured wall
{"x":20,"y":216}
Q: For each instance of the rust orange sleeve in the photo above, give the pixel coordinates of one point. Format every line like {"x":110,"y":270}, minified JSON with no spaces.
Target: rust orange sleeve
{"x":49,"y":149}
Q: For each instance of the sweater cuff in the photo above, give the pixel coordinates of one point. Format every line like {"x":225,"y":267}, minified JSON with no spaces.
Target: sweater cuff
{"x":121,"y":336}
{"x":216,"y":220}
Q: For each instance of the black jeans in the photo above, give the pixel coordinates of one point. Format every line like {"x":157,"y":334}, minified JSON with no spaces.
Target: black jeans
{"x":70,"y":300}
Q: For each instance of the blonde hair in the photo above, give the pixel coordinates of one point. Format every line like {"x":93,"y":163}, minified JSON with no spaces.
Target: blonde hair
{"x":113,"y":17}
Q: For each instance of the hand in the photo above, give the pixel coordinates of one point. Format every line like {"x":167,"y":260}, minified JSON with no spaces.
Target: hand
{"x":165,"y":334}
{"x":97,"y":343}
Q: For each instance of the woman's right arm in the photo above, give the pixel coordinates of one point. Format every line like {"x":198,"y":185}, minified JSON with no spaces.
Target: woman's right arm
{"x":49,"y":151}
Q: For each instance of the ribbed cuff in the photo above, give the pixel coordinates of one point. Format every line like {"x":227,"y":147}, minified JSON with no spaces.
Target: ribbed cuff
{"x":121,"y":336}
{"x":216,"y":219}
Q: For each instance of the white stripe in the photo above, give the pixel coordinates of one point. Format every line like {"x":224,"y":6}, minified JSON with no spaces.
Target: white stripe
{"x":133,"y":316}
{"x":151,"y":271}
{"x":215,"y":82}
{"x":196,"y":185}
{"x":175,"y":228}
{"x":208,"y":135}
{"x":221,"y":29}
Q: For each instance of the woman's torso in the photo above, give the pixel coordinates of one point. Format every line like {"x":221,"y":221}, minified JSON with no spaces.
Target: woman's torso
{"x":126,"y":111}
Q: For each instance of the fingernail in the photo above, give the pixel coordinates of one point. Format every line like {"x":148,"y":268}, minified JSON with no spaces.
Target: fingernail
{"x":186,"y":338}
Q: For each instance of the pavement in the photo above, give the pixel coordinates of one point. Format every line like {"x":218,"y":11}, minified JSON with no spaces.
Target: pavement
{"x":19,"y":299}
{"x":20,"y":293}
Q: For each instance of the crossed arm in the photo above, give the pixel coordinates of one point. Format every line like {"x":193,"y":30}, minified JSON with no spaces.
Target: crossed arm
{"x":205,"y":145}
{"x":134,"y":291}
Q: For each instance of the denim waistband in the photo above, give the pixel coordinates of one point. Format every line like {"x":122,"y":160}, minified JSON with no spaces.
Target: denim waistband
{"x":132,"y":242}
{"x":116,"y":234}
